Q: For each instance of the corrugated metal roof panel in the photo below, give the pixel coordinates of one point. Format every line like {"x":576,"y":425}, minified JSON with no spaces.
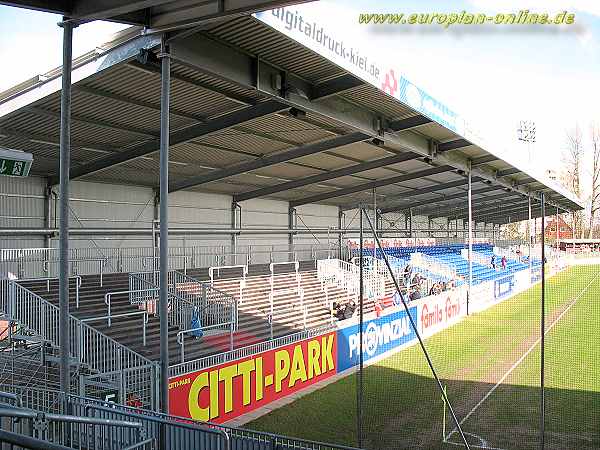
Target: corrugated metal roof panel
{"x":261,"y":40}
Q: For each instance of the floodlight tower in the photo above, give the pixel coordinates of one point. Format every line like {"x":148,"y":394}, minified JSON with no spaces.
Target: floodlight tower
{"x":526,"y":133}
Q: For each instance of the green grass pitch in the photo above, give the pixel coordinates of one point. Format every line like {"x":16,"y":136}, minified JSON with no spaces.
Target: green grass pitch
{"x":403,"y":407}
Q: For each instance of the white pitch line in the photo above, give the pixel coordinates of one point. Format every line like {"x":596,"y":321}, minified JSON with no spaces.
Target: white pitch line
{"x":520,"y":360}
{"x":484,"y":446}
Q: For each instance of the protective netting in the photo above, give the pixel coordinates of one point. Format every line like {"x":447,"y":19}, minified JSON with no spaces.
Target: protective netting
{"x":484,"y":343}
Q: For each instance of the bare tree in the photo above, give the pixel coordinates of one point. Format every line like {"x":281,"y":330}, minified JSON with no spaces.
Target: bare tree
{"x":571,"y":175}
{"x":595,"y":191}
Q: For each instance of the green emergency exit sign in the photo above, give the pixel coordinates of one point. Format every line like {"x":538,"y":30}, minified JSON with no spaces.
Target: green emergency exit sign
{"x":14,"y":163}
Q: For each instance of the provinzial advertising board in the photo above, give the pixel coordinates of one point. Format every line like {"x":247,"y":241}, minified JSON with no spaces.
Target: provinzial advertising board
{"x":226,"y":391}
{"x":381,"y":335}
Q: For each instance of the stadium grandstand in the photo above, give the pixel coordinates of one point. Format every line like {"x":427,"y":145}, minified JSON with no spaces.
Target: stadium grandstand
{"x":218,"y":213}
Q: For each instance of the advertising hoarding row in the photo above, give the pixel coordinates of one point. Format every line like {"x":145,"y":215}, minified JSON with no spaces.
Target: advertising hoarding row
{"x":230,"y":390}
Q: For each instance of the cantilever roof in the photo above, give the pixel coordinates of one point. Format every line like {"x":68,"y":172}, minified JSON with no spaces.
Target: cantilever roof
{"x":154,"y":15}
{"x":256,"y":113}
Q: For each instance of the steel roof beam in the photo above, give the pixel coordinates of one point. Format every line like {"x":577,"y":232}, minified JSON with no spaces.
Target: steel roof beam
{"x":512,"y":211}
{"x":485,"y":208}
{"x":319,"y":178}
{"x":371,"y":185}
{"x":429,"y":190}
{"x":397,"y":126}
{"x":453,"y":145}
{"x":270,"y":160}
{"x":483,"y":160}
{"x":409,"y":123}
{"x":527,"y":180}
{"x":149,"y":65}
{"x":177,"y":137}
{"x":335,"y":86}
{"x":96,"y":122}
{"x":136,"y":102}
{"x":460,"y":207}
{"x":505,"y":172}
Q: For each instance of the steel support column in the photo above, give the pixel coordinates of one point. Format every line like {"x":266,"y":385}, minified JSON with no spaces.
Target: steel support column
{"x":340,"y":235}
{"x":65,"y":163}
{"x":557,"y":234}
{"x":164,"y":225}
{"x":291,"y":214}
{"x":543,"y":332}
{"x":47,"y":215}
{"x":470,"y":202}
{"x":360,"y":327}
{"x":375,"y":208}
{"x":529,"y":232}
{"x":234,"y":225}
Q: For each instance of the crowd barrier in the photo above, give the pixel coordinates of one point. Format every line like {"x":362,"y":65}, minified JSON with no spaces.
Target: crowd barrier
{"x":226,"y":391}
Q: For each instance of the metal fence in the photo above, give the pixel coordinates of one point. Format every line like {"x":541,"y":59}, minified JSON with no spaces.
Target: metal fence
{"x":43,"y":262}
{"x":131,"y":426}
{"x":88,"y":347}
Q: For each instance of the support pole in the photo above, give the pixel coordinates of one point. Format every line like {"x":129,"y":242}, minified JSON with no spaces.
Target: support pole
{"x":543,"y":333}
{"x":410,"y":223}
{"x":65,"y":164}
{"x":234,"y":237}
{"x":340,"y":235}
{"x":291,"y":214}
{"x":47,"y":215}
{"x":360,"y":327}
{"x":557,"y":234}
{"x":164,"y":225}
{"x":470,"y":202}
{"x":529,"y":233}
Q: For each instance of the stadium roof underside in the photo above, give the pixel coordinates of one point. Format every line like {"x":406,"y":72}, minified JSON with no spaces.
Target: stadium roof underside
{"x":256,"y":114}
{"x":154,"y":15}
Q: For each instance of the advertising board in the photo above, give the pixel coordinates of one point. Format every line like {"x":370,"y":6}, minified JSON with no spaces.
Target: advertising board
{"x":380,"y":335}
{"x":224,"y":392}
{"x":437,"y":312}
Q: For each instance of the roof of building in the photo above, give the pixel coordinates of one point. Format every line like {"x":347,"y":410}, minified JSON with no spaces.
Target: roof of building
{"x":259,"y":113}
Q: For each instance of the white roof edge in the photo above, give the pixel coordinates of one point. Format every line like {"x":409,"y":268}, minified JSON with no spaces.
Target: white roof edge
{"x":125,"y":45}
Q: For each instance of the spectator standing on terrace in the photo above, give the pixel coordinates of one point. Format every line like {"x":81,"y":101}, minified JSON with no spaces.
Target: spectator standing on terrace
{"x":493,"y":262}
{"x":407,"y":274}
{"x":503,"y":262}
{"x":415,"y":294}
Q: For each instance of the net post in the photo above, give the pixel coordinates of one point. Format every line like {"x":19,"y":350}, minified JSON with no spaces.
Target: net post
{"x":360,"y":333}
{"x":543,"y":329}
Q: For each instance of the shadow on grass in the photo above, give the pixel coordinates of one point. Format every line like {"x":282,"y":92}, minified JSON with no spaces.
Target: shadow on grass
{"x":402,"y":410}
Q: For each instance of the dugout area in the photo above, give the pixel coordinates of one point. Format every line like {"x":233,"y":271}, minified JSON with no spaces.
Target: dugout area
{"x":303,"y":153}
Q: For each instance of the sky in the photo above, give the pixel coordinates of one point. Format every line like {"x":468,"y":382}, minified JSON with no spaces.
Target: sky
{"x":494,"y":76}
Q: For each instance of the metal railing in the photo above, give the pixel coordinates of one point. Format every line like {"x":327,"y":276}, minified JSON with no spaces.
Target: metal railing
{"x":194,"y":307}
{"x":75,"y":430}
{"x":477,"y":257}
{"x":171,"y":432}
{"x":38,"y":262}
{"x":87,"y":346}
{"x":432,"y":265}
{"x":249,"y":350}
{"x":77,"y":279}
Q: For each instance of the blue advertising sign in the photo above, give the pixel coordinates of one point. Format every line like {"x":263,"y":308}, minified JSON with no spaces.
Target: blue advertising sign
{"x":379,"y":336}
{"x":504,"y":286}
